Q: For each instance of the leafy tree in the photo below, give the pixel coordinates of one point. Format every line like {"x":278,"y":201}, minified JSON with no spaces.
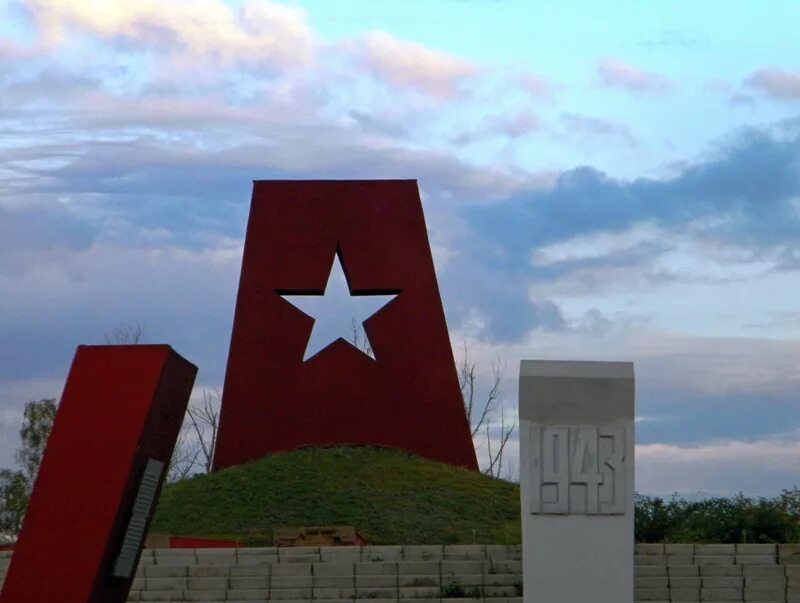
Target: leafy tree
{"x":37,"y":424}
{"x":725,"y":520}
{"x":790,"y":503}
{"x":14,"y":495}
{"x":16,"y":485}
{"x":652,"y":519}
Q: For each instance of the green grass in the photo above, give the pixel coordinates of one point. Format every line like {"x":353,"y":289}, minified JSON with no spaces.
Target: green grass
{"x":389,"y":496}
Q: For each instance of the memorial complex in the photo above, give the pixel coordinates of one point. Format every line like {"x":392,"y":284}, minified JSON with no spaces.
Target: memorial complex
{"x":122,"y":408}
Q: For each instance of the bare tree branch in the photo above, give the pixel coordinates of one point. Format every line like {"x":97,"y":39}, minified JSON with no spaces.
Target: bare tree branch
{"x":194,"y":449}
{"x":466,"y":372}
{"x":495,"y":468}
{"x":184,"y":458}
{"x":479,"y":412}
{"x":466,"y":380}
{"x":124,"y":334}
{"x":359,"y":338}
{"x":205,"y":423}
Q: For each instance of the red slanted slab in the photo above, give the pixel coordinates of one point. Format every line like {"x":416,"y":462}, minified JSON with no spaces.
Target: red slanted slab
{"x":407,"y":397}
{"x":101,"y":474}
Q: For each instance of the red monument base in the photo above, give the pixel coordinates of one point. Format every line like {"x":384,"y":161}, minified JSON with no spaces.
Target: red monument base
{"x":101,"y":475}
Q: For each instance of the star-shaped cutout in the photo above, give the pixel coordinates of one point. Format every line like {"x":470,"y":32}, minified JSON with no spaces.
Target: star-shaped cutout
{"x":338,"y":313}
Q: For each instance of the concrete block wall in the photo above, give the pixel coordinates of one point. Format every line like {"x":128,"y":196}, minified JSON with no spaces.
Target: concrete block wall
{"x":449,"y":574}
{"x":383,"y":574}
{"x":763,"y":573}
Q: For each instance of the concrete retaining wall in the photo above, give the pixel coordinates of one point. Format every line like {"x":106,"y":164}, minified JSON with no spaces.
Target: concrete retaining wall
{"x":449,"y":574}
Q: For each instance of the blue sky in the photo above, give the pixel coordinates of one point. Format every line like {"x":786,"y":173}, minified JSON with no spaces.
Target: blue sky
{"x":600,"y":182}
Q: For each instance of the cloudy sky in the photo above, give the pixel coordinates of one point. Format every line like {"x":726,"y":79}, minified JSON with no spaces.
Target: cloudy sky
{"x":610,"y":183}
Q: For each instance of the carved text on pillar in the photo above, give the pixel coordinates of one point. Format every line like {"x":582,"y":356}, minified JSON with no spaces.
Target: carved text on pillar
{"x":578,"y":469}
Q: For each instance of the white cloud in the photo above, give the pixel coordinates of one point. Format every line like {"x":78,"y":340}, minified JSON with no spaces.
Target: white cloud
{"x":259,"y":32}
{"x":512,"y":126}
{"x":679,"y":279}
{"x":684,"y":254}
{"x":615,"y":73}
{"x":536,"y":85}
{"x":668,"y":366}
{"x":181,"y":296}
{"x":591,"y":128}
{"x":190,"y":74}
{"x":762,"y":467}
{"x":411,"y":65}
{"x":596,"y":245}
{"x":718,"y":367}
{"x":778,"y":84}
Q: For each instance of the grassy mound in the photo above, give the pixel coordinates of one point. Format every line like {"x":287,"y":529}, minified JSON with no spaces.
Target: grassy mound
{"x":389,"y":496}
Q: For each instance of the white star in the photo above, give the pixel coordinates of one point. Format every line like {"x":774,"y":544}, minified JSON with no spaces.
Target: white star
{"x":337,"y":313}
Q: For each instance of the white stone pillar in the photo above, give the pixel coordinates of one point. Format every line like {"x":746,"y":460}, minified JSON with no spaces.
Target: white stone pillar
{"x":576,"y":476}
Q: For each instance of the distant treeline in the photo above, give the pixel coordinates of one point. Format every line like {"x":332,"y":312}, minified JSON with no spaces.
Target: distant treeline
{"x":725,"y":520}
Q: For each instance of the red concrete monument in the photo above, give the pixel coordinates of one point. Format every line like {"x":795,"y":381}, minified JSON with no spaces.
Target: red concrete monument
{"x":101,"y":475}
{"x":281,"y":392}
